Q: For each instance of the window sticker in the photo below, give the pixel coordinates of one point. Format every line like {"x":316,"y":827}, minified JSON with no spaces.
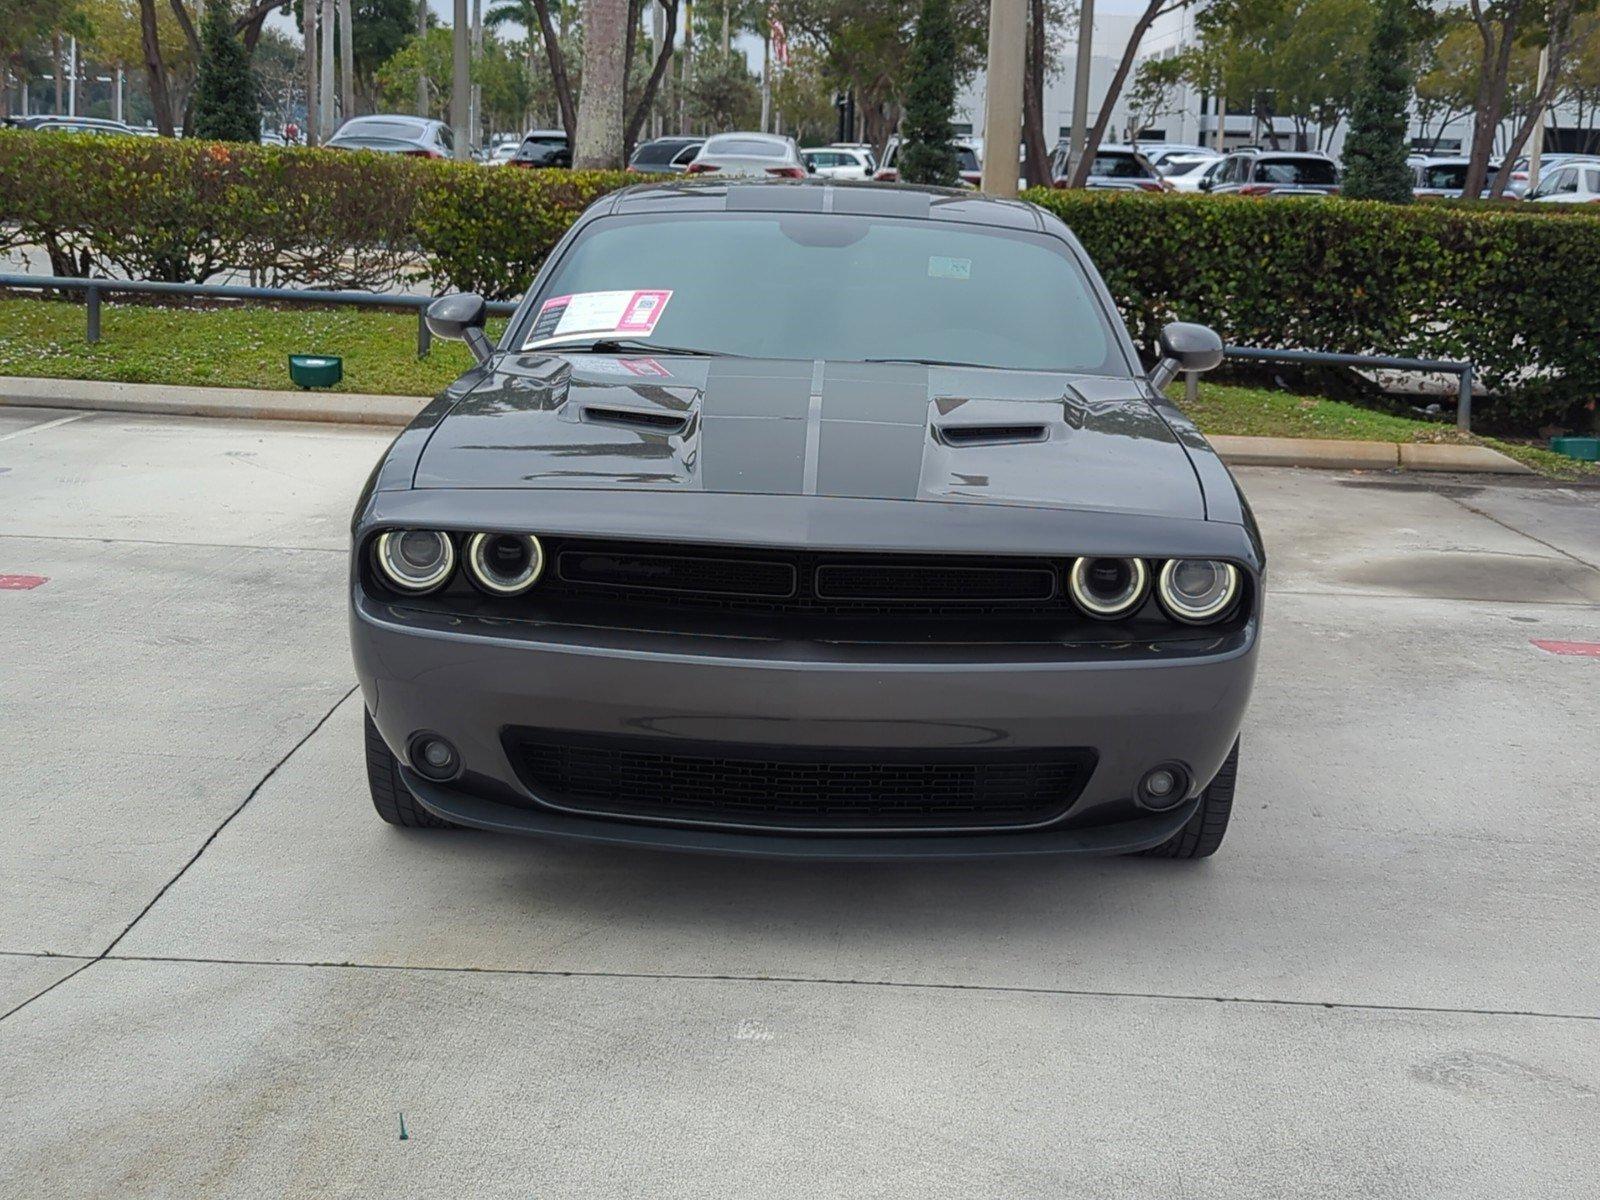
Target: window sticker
{"x":940,"y":267}
{"x":598,"y":314}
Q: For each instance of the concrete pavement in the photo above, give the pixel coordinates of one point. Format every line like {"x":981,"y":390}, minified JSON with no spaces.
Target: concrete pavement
{"x":233,"y":978}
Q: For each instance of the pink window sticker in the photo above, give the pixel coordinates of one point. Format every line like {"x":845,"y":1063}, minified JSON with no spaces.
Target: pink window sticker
{"x":642,"y":311}
{"x":544,"y":325}
{"x":645,"y":366}
{"x":21,"y":583}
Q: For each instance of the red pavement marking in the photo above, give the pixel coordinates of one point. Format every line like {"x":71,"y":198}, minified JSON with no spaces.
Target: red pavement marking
{"x":20,"y":583}
{"x":1581,"y":649}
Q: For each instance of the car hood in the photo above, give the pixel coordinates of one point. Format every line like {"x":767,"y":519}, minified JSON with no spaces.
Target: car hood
{"x":888,"y":431}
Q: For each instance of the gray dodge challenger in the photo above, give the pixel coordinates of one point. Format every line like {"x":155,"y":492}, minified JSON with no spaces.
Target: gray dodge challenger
{"x":810,"y":520}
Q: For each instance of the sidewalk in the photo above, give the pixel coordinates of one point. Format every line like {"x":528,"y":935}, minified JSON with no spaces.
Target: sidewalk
{"x":348,"y":408}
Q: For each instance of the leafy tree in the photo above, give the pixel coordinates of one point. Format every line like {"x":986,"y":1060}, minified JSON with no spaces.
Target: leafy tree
{"x":1375,"y":152}
{"x":927,"y":155}
{"x":1446,"y":74}
{"x":1151,"y":94}
{"x":722,"y":94}
{"x":225,"y":105}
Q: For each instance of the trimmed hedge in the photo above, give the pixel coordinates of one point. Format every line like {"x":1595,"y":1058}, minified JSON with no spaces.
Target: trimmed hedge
{"x":183,"y":211}
{"x":1506,"y":287}
{"x":1510,"y":289}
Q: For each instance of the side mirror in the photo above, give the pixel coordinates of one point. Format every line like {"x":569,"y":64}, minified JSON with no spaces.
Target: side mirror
{"x":460,"y":318}
{"x":1185,"y":347}
{"x":1207,"y":184}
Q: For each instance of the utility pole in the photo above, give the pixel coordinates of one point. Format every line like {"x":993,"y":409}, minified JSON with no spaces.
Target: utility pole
{"x":327,"y":20}
{"x":688,"y":66}
{"x":422,"y":71}
{"x":460,"y":88}
{"x":347,"y":70}
{"x":658,"y":33}
{"x":1080,"y":83}
{"x":477,"y":88}
{"x":1002,"y":112}
{"x":120,"y":78}
{"x":313,"y":76}
{"x":1222,"y":118}
{"x":766,"y":78}
{"x":1536,"y":138}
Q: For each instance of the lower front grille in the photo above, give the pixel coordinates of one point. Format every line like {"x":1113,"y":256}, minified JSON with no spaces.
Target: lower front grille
{"x":801,"y":788}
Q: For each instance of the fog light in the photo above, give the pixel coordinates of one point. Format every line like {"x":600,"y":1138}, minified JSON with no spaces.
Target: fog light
{"x":1163,"y":786}
{"x":434,"y":757}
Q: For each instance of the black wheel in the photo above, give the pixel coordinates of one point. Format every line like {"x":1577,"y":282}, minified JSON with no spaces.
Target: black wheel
{"x":390,"y":796}
{"x":1204,"y":831}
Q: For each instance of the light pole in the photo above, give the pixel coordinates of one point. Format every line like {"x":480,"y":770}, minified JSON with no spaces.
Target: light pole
{"x":1080,"y":82}
{"x":460,"y":88}
{"x":326,"y":21}
{"x":1002,"y":110}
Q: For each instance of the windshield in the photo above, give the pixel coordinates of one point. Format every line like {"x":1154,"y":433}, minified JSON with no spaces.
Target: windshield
{"x":840,"y":287}
{"x":1314,"y":171}
{"x":747,"y":147}
{"x":657,"y":153}
{"x":1119,"y":166}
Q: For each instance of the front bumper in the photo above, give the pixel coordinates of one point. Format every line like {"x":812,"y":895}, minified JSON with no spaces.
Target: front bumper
{"x":470,"y":679}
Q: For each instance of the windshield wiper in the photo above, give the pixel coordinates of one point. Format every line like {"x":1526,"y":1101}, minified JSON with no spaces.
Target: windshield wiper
{"x":629,"y":346}
{"x":937,"y":362}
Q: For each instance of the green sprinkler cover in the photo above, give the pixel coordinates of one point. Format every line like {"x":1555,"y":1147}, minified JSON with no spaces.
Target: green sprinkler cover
{"x":315,"y":370}
{"x":1585,"y":448}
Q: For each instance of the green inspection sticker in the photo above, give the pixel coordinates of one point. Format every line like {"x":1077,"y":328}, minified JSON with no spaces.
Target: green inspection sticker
{"x":940,"y":267}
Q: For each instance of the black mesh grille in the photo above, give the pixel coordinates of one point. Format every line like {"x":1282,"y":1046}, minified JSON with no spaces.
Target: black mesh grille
{"x":798,"y":787}
{"x":802,"y":582}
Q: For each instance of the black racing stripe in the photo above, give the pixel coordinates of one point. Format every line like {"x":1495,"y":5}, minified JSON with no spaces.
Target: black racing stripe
{"x":753,"y":426}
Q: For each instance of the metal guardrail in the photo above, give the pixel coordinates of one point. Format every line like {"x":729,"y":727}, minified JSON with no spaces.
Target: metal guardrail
{"x":1372,"y":362}
{"x":95,"y":288}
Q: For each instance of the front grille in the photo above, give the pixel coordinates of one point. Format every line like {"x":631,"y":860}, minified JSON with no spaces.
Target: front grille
{"x":798,"y":788}
{"x":802,"y":582}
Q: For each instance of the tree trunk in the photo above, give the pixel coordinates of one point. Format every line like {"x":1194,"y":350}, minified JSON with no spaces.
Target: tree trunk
{"x":347,"y":55}
{"x":313,"y":130}
{"x":1494,"y":66}
{"x":558,"y":69}
{"x":647,"y":99}
{"x":1091,"y":145}
{"x":597,"y":144}
{"x":1034,"y":139}
{"x":155,"y":67}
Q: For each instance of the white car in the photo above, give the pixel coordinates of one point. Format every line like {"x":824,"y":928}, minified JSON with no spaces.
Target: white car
{"x":1185,"y":174}
{"x":1576,"y":181}
{"x":749,"y":154}
{"x":1162,"y":153}
{"x":838,"y":162}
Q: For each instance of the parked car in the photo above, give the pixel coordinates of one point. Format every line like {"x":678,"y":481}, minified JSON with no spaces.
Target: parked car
{"x":665,"y":155}
{"x":902,"y":556}
{"x":1275,"y":173}
{"x":969,"y":166}
{"x":749,"y":154}
{"x":543,"y":148}
{"x":838,"y":162}
{"x":501,"y":153}
{"x":1446,"y":178}
{"x":415,"y":136}
{"x":1189,"y":175}
{"x":1575,"y":181}
{"x":1517,"y":185}
{"x":865,"y":147}
{"x":1162,"y":153}
{"x":58,"y":123}
{"x":1115,"y":168}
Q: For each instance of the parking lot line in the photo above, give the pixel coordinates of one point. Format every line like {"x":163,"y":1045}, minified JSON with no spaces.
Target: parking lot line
{"x":42,"y":426}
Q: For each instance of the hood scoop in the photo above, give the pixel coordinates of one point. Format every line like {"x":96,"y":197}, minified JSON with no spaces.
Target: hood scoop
{"x":653,"y":420}
{"x":994,"y":434}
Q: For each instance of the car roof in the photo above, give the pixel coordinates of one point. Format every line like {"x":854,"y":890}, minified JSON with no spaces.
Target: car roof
{"x":1258,"y":152}
{"x":824,"y":195}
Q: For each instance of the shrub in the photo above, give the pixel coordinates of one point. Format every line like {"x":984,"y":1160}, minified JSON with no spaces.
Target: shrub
{"x":1503,"y":287}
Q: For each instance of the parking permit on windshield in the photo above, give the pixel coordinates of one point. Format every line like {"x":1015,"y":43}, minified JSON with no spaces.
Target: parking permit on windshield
{"x":630,"y":314}
{"x":942,"y":267}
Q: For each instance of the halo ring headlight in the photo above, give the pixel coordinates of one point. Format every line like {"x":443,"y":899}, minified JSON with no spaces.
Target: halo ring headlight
{"x":415,"y":560}
{"x":504,"y":564}
{"x":1108,"y":588}
{"x":1197,"y":590}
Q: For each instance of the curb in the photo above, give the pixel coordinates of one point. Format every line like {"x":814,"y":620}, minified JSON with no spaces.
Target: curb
{"x":344,"y":408}
{"x":349,"y":408}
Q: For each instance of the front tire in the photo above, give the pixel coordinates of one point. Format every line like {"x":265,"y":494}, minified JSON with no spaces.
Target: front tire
{"x":390,"y":795}
{"x":1203,"y":834}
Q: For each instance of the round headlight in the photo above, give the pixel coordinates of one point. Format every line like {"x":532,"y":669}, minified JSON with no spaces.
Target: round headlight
{"x":1108,"y":587}
{"x":416,"y":560}
{"x":504,"y":564}
{"x":1197,"y":590}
